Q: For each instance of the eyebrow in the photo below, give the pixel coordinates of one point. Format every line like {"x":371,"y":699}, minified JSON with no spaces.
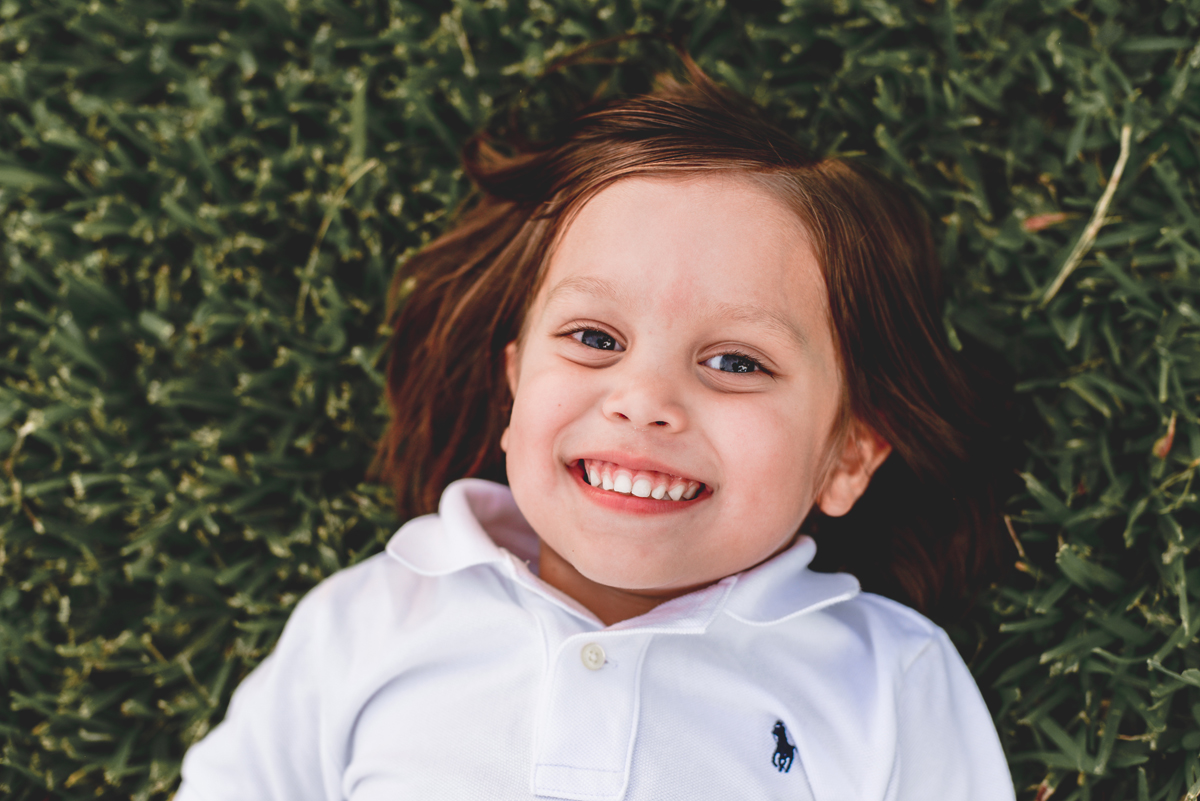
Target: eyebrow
{"x":757,"y":315}
{"x":739,"y":312}
{"x":585,"y":285}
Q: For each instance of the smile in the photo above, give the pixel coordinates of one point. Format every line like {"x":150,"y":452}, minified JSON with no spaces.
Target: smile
{"x":614,"y":478}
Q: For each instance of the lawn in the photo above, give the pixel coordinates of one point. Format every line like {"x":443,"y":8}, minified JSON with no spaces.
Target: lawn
{"x":203,"y":202}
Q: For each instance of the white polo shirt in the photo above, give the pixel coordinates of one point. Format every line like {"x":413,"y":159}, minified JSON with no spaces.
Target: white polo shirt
{"x":445,"y":669}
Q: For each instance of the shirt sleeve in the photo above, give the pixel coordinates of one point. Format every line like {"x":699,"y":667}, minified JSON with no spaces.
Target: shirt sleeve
{"x":947,"y":743}
{"x":268,"y":747}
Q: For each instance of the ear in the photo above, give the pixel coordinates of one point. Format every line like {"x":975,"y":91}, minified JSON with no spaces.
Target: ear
{"x":512,"y":367}
{"x":862,"y":453}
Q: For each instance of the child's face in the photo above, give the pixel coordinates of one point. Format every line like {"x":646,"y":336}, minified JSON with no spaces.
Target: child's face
{"x":681,"y":335}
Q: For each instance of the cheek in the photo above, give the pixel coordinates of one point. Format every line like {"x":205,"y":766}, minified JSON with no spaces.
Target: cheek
{"x":775,"y":453}
{"x":544,"y":404}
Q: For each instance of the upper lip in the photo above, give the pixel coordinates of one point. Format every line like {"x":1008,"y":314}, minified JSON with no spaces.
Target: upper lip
{"x":636,"y":463}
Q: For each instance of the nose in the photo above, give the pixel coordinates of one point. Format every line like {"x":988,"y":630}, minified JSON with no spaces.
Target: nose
{"x":646,"y":394}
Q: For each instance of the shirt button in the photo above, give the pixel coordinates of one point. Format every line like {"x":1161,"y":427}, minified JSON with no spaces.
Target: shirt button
{"x":592,"y":656}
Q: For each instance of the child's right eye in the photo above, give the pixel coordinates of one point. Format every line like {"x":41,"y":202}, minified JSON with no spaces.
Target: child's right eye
{"x":593,"y":338}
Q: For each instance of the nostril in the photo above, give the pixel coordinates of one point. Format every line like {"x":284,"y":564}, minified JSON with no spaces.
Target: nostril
{"x":660,"y":422}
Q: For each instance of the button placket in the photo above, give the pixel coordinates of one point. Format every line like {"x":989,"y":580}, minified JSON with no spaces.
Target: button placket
{"x":589,"y":717}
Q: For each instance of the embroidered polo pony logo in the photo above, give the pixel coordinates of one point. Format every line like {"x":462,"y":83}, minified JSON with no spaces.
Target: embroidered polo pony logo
{"x":785,"y":752}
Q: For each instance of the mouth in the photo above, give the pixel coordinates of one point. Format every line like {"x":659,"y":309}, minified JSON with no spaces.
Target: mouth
{"x":613,"y":478}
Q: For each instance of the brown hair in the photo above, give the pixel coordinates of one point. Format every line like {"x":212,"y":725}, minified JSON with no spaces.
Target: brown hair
{"x":927,"y":526}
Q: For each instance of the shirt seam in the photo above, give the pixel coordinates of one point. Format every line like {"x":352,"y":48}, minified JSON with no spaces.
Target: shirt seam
{"x":930,"y":631}
{"x":901,"y":686}
{"x":920,"y":652}
{"x":576,"y":767}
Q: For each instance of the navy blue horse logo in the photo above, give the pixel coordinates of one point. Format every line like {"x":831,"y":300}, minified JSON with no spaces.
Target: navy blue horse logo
{"x":785,"y":752}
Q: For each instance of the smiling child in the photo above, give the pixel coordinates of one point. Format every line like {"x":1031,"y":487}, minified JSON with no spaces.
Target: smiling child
{"x":683,"y":341}
{"x":680,"y":339}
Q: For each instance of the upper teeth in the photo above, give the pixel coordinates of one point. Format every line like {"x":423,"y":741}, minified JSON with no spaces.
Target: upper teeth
{"x":641,"y":483}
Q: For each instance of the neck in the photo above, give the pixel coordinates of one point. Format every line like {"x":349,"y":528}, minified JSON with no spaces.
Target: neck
{"x":610,"y":604}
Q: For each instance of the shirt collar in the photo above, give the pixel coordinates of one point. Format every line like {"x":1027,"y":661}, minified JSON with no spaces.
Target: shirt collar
{"x":475,"y":523}
{"x":478,"y":523}
{"x":783,"y":587}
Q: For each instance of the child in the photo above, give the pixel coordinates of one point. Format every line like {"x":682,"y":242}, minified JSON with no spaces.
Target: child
{"x":684,"y":341}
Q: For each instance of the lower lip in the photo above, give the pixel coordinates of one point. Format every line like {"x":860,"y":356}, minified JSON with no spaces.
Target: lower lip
{"x":632,"y":504}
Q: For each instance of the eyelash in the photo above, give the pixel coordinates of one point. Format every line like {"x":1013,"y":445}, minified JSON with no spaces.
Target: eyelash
{"x":579,"y":329}
{"x":735,"y":352}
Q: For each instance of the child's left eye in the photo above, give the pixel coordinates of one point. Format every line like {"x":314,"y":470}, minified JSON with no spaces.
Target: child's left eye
{"x":733,"y":363}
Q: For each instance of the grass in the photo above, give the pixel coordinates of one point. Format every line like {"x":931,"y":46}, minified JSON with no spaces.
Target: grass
{"x":202,"y":202}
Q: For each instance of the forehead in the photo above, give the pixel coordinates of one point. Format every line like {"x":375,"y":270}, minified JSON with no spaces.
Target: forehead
{"x":718,"y":243}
